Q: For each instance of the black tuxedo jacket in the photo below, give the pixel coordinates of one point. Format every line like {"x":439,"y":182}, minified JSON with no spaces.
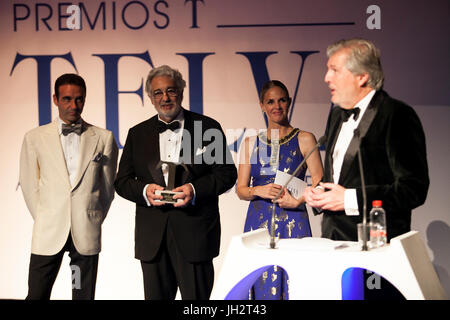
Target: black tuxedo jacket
{"x":392,"y":144}
{"x":196,"y":227}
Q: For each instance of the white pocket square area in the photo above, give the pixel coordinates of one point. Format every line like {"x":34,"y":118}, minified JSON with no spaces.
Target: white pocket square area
{"x":200,"y":151}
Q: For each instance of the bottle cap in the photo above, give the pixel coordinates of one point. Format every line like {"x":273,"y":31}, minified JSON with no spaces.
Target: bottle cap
{"x":377,"y":203}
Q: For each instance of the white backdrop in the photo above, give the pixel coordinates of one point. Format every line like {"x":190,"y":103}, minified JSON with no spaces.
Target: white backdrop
{"x":224,"y":49}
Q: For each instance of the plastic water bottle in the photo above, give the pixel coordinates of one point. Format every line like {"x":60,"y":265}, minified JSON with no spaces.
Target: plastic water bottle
{"x":378,"y":235}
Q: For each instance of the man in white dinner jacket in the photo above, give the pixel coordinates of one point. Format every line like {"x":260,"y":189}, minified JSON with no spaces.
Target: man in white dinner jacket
{"x":67,"y":171}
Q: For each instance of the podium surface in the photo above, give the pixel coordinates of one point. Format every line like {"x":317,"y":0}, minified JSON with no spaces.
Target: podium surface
{"x":318,"y":268}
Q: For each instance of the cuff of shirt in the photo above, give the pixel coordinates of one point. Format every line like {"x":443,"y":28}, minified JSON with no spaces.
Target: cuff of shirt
{"x":193,"y":198}
{"x":144,"y":193}
{"x":351,"y":202}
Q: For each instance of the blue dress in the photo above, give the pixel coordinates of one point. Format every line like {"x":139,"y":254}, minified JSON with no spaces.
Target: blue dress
{"x":289,"y":223}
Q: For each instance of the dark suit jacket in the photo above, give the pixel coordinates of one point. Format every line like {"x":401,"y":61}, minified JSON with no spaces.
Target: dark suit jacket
{"x":196,"y":227}
{"x":392,"y":144}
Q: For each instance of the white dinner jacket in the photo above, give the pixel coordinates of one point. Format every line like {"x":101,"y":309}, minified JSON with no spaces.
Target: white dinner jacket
{"x":54,"y":204}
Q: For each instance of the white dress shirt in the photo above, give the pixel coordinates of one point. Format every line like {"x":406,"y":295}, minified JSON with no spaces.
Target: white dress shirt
{"x":340,"y":149}
{"x":170,"y":144}
{"x":71,"y":147}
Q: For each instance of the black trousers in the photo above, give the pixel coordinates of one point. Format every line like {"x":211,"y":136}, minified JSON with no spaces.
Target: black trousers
{"x":170,"y":270}
{"x":44,"y":269}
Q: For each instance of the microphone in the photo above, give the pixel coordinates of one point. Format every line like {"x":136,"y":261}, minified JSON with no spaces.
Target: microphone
{"x":363,"y":187}
{"x":322,"y":140}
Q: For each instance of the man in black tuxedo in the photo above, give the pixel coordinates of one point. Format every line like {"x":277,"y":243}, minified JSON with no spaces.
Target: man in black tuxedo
{"x":175,"y":242}
{"x":391,"y":140}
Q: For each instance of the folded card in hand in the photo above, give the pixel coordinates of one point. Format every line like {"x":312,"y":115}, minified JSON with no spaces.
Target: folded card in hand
{"x":296,"y":186}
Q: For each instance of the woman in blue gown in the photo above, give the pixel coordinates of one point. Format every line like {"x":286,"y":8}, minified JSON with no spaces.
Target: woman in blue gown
{"x":280,"y":147}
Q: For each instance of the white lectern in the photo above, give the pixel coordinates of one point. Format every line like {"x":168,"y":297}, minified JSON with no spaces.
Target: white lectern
{"x":318,"y":268}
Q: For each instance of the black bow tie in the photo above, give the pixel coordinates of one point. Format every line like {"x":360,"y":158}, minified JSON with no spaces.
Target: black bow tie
{"x":346,"y":113}
{"x":161,"y":126}
{"x":68,"y":128}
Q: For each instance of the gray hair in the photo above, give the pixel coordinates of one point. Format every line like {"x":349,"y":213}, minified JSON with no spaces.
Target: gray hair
{"x":167,"y":71}
{"x":364,"y":57}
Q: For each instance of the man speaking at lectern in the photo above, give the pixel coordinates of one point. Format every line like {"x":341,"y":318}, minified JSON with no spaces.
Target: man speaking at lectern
{"x":391,"y":140}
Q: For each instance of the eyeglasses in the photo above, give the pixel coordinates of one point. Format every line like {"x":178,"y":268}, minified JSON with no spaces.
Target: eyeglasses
{"x":170,"y":92}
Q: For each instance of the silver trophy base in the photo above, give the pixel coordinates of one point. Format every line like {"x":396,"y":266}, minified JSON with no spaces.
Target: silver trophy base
{"x":168,"y":196}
